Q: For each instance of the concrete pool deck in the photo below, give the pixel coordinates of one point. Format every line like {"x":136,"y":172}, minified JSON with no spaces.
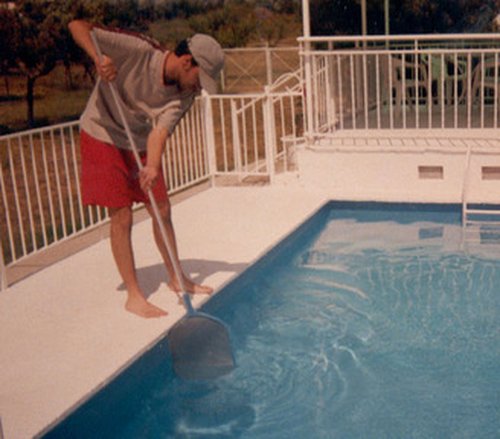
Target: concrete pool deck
{"x":63,"y":330}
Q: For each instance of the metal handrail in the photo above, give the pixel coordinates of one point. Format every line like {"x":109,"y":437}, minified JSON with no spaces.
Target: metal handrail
{"x":352,"y":86}
{"x":465,"y":186}
{"x":398,"y":38}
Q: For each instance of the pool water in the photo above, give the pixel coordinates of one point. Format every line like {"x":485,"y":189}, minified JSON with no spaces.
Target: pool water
{"x":369,"y":321}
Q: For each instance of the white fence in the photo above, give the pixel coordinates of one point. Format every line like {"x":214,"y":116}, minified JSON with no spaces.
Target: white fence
{"x":236,"y":136}
{"x":254,"y":135}
{"x":422,"y":82}
{"x":354,"y":87}
{"x":250,"y":70}
{"x":40,"y":191}
{"x":40,"y":202}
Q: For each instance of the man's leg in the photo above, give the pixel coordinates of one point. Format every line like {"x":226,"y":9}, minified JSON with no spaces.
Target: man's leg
{"x":121,"y":246}
{"x":165,"y":213}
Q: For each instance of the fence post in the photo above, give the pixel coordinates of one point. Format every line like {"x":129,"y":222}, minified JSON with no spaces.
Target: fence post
{"x":269,"y":65}
{"x":308,"y":91}
{"x":223,"y":77}
{"x":238,"y":163}
{"x":306,"y":63}
{"x":269,"y":133}
{"x":3,"y":274}
{"x":209,"y":137}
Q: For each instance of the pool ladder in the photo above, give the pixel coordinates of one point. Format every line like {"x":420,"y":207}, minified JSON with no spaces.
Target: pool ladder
{"x":481,"y":226}
{"x":480,"y":223}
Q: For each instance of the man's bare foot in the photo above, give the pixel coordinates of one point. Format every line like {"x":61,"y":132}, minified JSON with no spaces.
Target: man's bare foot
{"x":191,"y":287}
{"x":138,"y":305}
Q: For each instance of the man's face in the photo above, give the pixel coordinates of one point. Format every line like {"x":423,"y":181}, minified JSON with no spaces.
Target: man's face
{"x":190,"y":78}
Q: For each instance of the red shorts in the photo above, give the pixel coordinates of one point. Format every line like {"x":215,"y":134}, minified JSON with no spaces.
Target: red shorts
{"x":110,"y":175}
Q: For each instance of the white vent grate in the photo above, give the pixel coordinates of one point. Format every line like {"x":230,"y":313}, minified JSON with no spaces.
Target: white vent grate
{"x":430,"y":172}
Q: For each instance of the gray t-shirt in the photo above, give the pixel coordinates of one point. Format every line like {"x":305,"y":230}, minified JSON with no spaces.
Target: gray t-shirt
{"x":145,"y":99}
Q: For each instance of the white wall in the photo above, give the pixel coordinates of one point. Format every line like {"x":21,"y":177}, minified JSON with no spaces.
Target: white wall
{"x":395,"y":176}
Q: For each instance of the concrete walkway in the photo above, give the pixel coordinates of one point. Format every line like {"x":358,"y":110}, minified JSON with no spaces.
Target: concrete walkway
{"x":64,"y":332}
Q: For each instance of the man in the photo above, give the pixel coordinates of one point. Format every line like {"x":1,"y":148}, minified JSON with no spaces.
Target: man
{"x":155,"y":88}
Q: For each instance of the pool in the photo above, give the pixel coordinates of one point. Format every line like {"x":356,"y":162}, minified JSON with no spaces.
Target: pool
{"x":369,"y":320}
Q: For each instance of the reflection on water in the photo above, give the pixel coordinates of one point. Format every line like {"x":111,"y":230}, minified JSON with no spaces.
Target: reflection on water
{"x":374,"y":329}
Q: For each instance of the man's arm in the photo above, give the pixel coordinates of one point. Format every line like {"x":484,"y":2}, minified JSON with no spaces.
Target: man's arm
{"x":80,"y":31}
{"x":155,"y":147}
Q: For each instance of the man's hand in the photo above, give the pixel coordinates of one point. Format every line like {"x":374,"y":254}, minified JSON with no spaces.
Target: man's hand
{"x":80,"y":30}
{"x":148,"y":177}
{"x":155,"y":147}
{"x":106,"y":68}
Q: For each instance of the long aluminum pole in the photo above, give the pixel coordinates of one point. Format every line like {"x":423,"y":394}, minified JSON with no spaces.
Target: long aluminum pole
{"x":154,"y":204}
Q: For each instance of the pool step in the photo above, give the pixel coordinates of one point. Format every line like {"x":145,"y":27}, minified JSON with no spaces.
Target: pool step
{"x":481,"y":225}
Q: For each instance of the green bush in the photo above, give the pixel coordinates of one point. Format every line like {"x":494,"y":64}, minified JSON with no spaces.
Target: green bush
{"x":233,"y":26}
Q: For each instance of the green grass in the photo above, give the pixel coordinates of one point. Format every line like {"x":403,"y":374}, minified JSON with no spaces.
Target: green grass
{"x":55,"y":100}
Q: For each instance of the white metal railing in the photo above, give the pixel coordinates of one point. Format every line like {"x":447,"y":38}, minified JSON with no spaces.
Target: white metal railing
{"x":423,"y":82}
{"x":40,"y":202}
{"x":186,"y":160}
{"x":221,"y":136}
{"x":353,"y":87}
{"x":40,"y":191}
{"x":253,"y":133}
{"x":250,"y":70}
{"x":230,"y":135}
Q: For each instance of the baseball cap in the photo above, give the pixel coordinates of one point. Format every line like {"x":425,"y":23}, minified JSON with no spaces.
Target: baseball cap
{"x":209,"y":56}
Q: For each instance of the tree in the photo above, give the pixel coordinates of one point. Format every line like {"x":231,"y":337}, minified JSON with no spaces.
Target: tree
{"x":288,"y":7}
{"x":37,"y":45}
{"x":69,"y":53}
{"x":9,"y":30}
{"x":334,"y":17}
{"x":272,"y":27}
{"x":39,"y":39}
{"x":124,"y":14}
{"x":437,"y":16}
{"x":232,"y":26}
